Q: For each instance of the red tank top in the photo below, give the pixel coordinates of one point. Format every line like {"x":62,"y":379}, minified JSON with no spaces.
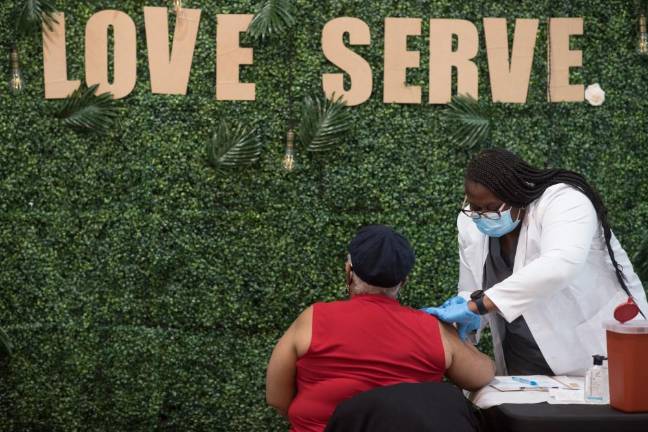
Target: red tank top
{"x":366,"y":342}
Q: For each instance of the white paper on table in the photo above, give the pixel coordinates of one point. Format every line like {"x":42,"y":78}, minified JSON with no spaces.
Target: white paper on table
{"x":572,"y":383}
{"x":509,"y":383}
{"x":562,"y":396}
{"x":489,"y":396}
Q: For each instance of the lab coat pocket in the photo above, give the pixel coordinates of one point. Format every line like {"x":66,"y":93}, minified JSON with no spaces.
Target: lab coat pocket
{"x":591,"y":333}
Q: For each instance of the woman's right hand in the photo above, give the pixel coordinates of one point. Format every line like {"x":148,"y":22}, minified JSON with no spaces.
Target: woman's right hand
{"x":455,"y":311}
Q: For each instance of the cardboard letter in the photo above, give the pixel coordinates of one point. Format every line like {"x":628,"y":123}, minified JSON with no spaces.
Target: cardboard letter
{"x":561,"y":58}
{"x":96,"y":52}
{"x":337,"y":53}
{"x":229,"y":56}
{"x":510,"y":80}
{"x":57,"y":86}
{"x":398,"y":59}
{"x":443,"y":59}
{"x":170,"y":72}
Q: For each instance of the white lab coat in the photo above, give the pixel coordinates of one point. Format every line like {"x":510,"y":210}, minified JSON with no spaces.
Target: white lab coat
{"x":563,"y":282}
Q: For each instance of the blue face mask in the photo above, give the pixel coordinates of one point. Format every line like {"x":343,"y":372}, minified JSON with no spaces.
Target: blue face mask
{"x":497,"y":227}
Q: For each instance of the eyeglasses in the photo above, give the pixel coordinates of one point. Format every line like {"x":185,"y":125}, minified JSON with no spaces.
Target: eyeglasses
{"x":487,"y":214}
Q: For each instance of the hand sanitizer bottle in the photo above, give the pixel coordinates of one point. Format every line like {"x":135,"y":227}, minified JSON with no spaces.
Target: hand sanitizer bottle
{"x":596,"y":382}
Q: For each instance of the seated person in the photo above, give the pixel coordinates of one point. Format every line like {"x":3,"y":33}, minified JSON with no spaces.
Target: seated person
{"x":336,"y":350}
{"x":411,"y":407}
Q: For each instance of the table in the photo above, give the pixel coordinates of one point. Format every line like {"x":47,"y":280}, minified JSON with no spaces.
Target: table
{"x":544,"y":417}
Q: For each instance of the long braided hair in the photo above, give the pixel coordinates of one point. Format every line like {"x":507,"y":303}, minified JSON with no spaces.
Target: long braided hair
{"x":517,"y":183}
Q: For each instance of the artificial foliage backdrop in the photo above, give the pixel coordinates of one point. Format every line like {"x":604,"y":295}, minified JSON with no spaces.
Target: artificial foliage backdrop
{"x":144,"y":289}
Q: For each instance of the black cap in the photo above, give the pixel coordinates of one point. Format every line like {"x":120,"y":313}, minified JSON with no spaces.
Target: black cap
{"x":598,"y":360}
{"x":380,"y":256}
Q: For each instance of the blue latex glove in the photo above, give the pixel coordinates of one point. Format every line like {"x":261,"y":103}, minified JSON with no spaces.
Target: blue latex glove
{"x":452,"y":300}
{"x":455,"y":311}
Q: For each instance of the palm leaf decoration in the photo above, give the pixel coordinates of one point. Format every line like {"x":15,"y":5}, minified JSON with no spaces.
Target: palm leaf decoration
{"x":323,"y":123}
{"x":5,"y":343}
{"x":32,"y":15}
{"x":640,"y":260}
{"x":473,"y":122}
{"x":83,"y":110}
{"x":274,"y":18}
{"x":231,"y":146}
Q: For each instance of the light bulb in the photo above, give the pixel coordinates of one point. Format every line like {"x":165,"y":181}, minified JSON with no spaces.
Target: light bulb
{"x":642,"y":41}
{"x":289,"y":156}
{"x":16,"y":82}
{"x":177,"y":5}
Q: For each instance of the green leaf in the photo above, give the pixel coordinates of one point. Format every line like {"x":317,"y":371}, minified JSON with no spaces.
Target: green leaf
{"x":323,"y":123}
{"x":472,"y":120}
{"x":232,"y":146}
{"x":5,"y":343}
{"x":83,"y":110}
{"x":32,"y":15}
{"x":274,"y":18}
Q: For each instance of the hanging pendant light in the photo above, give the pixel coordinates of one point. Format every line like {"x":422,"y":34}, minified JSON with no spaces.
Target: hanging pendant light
{"x":289,"y":157}
{"x":16,"y":82}
{"x":642,"y":39}
{"x":177,"y":6}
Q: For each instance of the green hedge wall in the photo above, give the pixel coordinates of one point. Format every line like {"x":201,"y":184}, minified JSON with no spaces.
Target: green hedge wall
{"x":144,"y":291}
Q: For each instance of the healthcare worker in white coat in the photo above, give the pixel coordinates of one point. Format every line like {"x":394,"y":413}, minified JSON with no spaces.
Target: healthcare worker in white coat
{"x":539,"y":265}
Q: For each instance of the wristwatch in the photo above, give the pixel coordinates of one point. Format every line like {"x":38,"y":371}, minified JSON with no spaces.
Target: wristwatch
{"x":478,"y":298}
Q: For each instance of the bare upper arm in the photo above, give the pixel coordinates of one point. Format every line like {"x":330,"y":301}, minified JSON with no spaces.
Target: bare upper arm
{"x":280,"y":376}
{"x":468,"y":367}
{"x":303,"y":331}
{"x":447,"y":347}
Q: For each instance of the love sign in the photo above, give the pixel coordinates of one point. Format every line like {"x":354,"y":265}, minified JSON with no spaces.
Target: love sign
{"x":170,"y":67}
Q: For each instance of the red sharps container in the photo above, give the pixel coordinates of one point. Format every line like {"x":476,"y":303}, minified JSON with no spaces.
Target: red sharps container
{"x":627,"y":348}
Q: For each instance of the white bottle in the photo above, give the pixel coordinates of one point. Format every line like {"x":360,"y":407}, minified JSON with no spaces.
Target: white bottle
{"x":597,"y":386}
